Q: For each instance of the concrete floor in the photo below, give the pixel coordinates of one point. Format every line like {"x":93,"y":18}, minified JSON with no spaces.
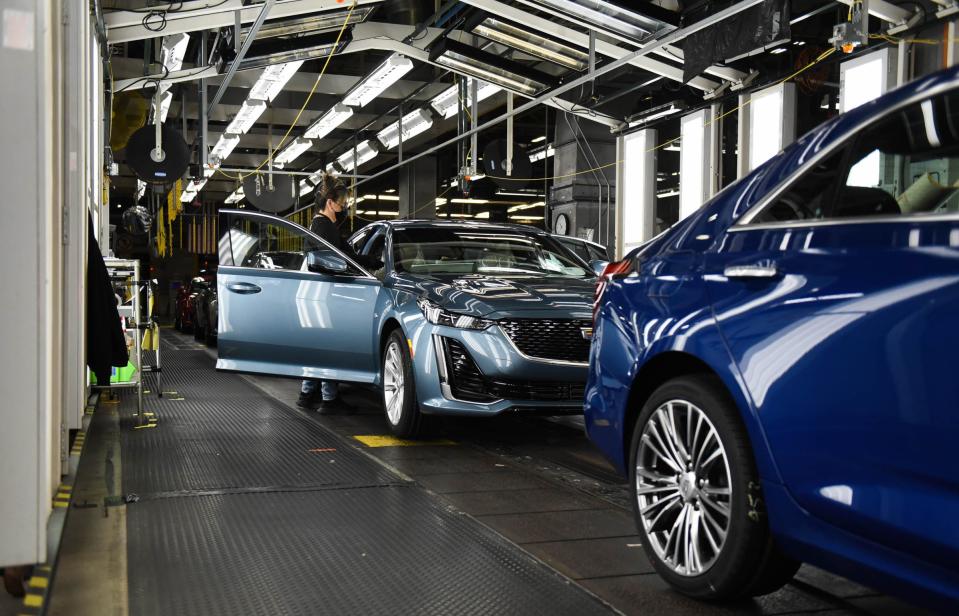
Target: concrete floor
{"x":537,"y":482}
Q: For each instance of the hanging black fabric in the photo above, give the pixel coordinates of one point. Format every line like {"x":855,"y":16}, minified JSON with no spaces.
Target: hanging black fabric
{"x":106,"y":345}
{"x":754,"y":28}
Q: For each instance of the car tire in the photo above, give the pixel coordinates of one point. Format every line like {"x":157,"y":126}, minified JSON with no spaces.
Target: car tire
{"x":399,"y":388}
{"x":728,"y":551}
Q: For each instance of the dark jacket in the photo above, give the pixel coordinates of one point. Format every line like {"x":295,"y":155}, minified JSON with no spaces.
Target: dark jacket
{"x":329,"y":231}
{"x":106,"y":345}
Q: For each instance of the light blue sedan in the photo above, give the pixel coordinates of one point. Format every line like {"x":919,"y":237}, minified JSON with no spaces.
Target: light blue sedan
{"x":463,"y":318}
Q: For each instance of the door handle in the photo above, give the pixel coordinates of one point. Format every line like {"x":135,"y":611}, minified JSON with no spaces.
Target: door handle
{"x":243,"y":288}
{"x":758,"y":270}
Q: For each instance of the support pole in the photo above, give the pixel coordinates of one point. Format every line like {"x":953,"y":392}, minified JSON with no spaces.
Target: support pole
{"x":241,"y":53}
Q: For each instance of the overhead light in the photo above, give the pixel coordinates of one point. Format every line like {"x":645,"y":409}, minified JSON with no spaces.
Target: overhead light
{"x":192,"y":188}
{"x":374,"y":84}
{"x":365,"y":152}
{"x":236,"y":196}
{"x":165,"y":99}
{"x":141,"y":189}
{"x":609,"y":17}
{"x":306,"y":26}
{"x":526,"y":206}
{"x":538,"y":139}
{"x":337,"y":114}
{"x":667,"y":193}
{"x":533,"y":44}
{"x":273,"y":79}
{"x":662,"y":111}
{"x":484,"y":215}
{"x":542,"y":154}
{"x":291,"y":152}
{"x":672,"y":147}
{"x":284,"y":54}
{"x":224,"y":146}
{"x":306,"y":187}
{"x":246,"y":117}
{"x":489,"y":67}
{"x":503,"y":193}
{"x":447,"y":102}
{"x":414,"y":123}
{"x":187,"y":196}
{"x":778,"y":50}
{"x":521,"y":217}
{"x":459,"y":200}
{"x":390,"y":190}
{"x":173,"y":50}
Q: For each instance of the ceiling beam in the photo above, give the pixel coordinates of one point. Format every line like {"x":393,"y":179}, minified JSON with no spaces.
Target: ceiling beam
{"x":123,"y":26}
{"x":582,"y":40}
{"x":885,"y":11}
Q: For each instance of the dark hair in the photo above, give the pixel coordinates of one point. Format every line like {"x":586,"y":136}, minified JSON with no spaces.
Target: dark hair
{"x":330,"y":187}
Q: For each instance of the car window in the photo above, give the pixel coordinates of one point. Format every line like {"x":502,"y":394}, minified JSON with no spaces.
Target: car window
{"x":477,"y":250}
{"x":597,"y":254}
{"x":263,"y":243}
{"x":376,"y":247}
{"x":359,"y":238}
{"x":907,"y":164}
{"x":578,"y":248}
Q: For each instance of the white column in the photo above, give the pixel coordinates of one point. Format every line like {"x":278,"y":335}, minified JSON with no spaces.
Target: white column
{"x":28,"y":443}
{"x":694,"y":162}
{"x":638,"y":188}
{"x":861,"y":80}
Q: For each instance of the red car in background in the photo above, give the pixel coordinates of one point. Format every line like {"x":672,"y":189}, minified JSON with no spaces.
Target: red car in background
{"x":183,"y":320}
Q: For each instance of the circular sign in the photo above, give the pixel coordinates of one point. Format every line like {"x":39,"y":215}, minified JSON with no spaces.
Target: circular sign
{"x":561,"y":224}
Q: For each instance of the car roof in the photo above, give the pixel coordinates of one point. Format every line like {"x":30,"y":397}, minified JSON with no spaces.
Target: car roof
{"x":420,"y":223}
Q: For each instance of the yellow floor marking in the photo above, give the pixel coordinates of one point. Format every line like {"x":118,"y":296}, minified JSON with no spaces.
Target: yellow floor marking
{"x":33,"y":600}
{"x":39,"y":582}
{"x":383,"y":440}
{"x":45,"y":568}
{"x":66,"y":488}
{"x":149,"y":414}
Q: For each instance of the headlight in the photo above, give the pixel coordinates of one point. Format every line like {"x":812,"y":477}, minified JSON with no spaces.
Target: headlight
{"x":437,"y":316}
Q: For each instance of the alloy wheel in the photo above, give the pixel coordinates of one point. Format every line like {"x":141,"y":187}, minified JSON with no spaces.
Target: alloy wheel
{"x":393,"y":383}
{"x":683,"y":487}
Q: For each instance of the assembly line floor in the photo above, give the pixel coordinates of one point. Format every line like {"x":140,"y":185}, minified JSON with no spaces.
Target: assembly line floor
{"x":227,"y":499}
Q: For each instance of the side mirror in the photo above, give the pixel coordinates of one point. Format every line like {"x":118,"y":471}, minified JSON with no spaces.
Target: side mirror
{"x":325,"y":262}
{"x":598,"y":266}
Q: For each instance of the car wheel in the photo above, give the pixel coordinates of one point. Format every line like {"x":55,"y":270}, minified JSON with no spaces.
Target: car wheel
{"x":399,"y":390}
{"x":697,"y":496}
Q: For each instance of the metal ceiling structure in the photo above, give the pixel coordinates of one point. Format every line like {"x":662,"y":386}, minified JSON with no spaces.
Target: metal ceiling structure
{"x":210,"y":86}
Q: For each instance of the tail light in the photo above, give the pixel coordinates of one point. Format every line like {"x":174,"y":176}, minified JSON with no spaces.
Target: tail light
{"x":616,"y":269}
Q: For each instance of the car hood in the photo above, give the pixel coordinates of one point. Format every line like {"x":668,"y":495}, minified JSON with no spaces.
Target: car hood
{"x":481,"y":296}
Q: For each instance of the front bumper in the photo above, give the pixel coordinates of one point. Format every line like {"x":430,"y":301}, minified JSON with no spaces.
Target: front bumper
{"x":496,"y":378}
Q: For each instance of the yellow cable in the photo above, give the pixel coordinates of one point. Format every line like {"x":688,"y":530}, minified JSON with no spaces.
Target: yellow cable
{"x":316,"y":83}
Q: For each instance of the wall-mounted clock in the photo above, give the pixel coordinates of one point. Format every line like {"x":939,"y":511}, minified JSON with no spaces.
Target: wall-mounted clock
{"x":561,"y":224}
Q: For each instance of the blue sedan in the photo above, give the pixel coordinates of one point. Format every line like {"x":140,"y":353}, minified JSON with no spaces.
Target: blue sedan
{"x":462,"y":319}
{"x":776,"y":374}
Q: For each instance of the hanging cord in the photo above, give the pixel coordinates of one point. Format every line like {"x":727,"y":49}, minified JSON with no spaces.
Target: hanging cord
{"x":316,"y":83}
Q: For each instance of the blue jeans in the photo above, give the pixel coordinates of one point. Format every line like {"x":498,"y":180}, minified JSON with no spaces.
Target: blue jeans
{"x":328,"y":389}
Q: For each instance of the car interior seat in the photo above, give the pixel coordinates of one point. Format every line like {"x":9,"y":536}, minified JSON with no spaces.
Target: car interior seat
{"x":865,"y":201}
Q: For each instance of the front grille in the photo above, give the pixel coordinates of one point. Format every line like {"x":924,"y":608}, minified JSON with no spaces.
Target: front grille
{"x":468,"y":383}
{"x":555,"y":339}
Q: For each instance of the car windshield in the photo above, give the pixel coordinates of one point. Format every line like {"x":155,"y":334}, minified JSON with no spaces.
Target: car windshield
{"x":468,"y":250}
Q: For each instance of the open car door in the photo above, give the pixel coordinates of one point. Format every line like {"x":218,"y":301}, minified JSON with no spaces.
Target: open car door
{"x":292,"y":305}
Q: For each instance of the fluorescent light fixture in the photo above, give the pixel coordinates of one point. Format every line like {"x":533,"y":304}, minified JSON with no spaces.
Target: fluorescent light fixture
{"x":337,"y":114}
{"x":504,"y":193}
{"x":693,"y":163}
{"x":306,"y":52}
{"x":306,"y":187}
{"x":236,"y":196}
{"x":533,"y":44}
{"x":538,"y":139}
{"x":414,"y":123}
{"x":374,"y":84}
{"x":861,"y":80}
{"x":273,"y":79}
{"x":447,"y":102}
{"x":173,"y":51}
{"x":291,"y":152}
{"x":655,"y":114}
{"x":482,"y":215}
{"x":524,"y":217}
{"x":542,"y":154}
{"x":607,"y":16}
{"x":365,"y":152}
{"x":246,"y":117}
{"x":390,"y":190}
{"x":308,"y":26}
{"x":526,"y":206}
{"x":165,"y":99}
{"x":667,"y":193}
{"x":484,"y":65}
{"x":673,"y":147}
{"x":459,"y":200}
{"x":224,"y":146}
{"x":141,"y":189}
{"x":189,"y":193}
{"x":772,"y":122}
{"x":778,"y":51}
{"x":388,"y":197}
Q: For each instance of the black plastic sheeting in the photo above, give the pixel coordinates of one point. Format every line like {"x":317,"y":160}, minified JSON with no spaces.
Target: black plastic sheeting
{"x":752,"y":29}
